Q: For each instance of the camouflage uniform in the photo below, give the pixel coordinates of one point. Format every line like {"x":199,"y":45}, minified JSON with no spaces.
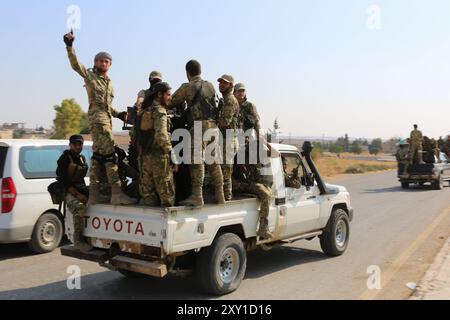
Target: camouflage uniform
{"x":402,"y":156}
{"x":100,"y":93}
{"x":292,"y":181}
{"x":228,"y":121}
{"x":250,"y":181}
{"x":186,"y":93}
{"x":71,"y":171}
{"x":415,"y":151}
{"x":157,"y":176}
{"x":249,"y":118}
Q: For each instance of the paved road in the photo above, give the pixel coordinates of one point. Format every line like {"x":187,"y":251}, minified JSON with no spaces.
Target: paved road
{"x":397,"y":230}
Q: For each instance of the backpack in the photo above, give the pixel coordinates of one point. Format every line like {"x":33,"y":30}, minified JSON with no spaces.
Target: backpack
{"x":57,"y":192}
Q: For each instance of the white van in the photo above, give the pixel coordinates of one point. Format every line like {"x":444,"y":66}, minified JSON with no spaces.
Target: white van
{"x":27,"y":167}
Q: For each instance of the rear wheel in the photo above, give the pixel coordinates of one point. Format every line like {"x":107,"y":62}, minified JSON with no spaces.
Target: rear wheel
{"x":438,"y":184}
{"x":47,"y":234}
{"x":334,"y":240}
{"x":221,"y":267}
{"x":405,"y":185}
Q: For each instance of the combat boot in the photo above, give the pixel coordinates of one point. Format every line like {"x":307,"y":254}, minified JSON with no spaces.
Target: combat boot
{"x":79,"y":243}
{"x":220,"y":196}
{"x":263,"y":232}
{"x":120,"y":198}
{"x":96,"y":197}
{"x":196,"y":198}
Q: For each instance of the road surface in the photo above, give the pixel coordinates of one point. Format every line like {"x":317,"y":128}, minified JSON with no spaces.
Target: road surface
{"x":395,"y":231}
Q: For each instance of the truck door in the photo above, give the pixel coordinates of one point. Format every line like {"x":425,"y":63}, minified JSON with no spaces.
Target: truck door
{"x":302,"y":208}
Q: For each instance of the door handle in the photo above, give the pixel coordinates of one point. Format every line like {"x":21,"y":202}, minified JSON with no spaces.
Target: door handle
{"x":311,"y":197}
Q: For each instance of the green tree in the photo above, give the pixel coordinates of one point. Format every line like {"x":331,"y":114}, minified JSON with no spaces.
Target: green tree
{"x":335,"y":148}
{"x":376,"y":146}
{"x":356,"y":147}
{"x":68,"y":120}
{"x":84,"y":124}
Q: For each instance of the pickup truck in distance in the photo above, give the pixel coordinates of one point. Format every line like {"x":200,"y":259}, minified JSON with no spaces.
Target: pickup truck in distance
{"x":435,"y":171}
{"x":213,"y":241}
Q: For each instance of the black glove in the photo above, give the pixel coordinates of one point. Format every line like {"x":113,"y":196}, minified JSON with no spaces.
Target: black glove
{"x":67,"y":41}
{"x":122,"y":116}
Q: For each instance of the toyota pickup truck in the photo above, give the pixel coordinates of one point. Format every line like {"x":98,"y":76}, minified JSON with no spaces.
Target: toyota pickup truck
{"x":434,"y":171}
{"x":213,"y":241}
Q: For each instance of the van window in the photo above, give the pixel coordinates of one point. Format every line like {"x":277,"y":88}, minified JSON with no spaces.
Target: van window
{"x":41,"y":162}
{"x":3,"y":152}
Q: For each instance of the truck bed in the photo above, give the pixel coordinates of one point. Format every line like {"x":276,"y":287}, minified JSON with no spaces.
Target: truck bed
{"x":172,"y":230}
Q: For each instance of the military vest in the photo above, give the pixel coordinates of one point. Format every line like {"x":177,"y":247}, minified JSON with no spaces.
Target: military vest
{"x":77,"y":172}
{"x":202,"y":108}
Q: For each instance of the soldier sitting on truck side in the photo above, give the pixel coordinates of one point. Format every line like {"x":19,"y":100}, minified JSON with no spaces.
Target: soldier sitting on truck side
{"x":402,"y":156}
{"x":247,"y":178}
{"x":71,"y":171}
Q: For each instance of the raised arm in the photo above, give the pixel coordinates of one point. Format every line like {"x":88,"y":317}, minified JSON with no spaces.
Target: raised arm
{"x":76,"y":65}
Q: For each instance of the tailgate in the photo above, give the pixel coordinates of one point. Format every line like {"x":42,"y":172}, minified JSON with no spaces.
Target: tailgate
{"x":141,"y":225}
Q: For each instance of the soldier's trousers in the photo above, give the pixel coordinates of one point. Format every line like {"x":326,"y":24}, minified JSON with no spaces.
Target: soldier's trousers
{"x":415,"y":151}
{"x":197,"y":167}
{"x":78,"y":210}
{"x":229,"y":150}
{"x":157,"y":180}
{"x":103,"y":144}
{"x":263,"y":192}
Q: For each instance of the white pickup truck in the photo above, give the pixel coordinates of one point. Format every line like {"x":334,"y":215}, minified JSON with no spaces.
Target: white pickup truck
{"x":213,"y":241}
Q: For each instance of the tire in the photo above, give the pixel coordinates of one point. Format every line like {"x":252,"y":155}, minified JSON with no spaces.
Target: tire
{"x":47,"y":234}
{"x":405,"y":185}
{"x":334,"y":240}
{"x":221,"y":267}
{"x":438,"y":184}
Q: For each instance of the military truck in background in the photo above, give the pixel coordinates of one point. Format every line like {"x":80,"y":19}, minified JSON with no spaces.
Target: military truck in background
{"x":434,"y":170}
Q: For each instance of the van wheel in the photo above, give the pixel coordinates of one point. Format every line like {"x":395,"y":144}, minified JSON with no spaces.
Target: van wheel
{"x":47,"y":234}
{"x":334,"y":240}
{"x":221,"y":267}
{"x":405,"y":185}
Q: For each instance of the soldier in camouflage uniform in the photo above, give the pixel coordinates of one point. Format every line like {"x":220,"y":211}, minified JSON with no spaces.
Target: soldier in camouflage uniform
{"x":71,"y":171}
{"x":228,"y":125}
{"x":157,"y":175}
{"x":416,"y":140}
{"x":291,"y":180}
{"x":100,"y":93}
{"x":249,"y":118}
{"x":402,"y":157}
{"x":200,"y":97}
{"x":248,"y":179}
{"x":144,"y":100}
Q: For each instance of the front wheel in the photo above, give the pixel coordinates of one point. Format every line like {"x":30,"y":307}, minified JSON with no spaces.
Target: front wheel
{"x":334,"y":240}
{"x":221,"y":267}
{"x":47,"y":234}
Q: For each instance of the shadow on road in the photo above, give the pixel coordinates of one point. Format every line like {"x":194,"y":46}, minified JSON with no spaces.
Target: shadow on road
{"x":112,"y":285}
{"x":14,"y":250}
{"x":413,"y":188}
{"x":19,"y":250}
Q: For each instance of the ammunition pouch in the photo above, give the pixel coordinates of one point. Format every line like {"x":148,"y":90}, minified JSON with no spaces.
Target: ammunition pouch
{"x":111,"y":158}
{"x":57,"y":192}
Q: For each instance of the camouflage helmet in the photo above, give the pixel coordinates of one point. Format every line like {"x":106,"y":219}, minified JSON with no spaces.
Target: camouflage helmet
{"x":155,"y":75}
{"x":239,"y":86}
{"x":103,"y":55}
{"x":227,"y":78}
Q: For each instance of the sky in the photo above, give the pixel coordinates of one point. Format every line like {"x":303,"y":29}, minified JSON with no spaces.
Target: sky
{"x":323,"y":68}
